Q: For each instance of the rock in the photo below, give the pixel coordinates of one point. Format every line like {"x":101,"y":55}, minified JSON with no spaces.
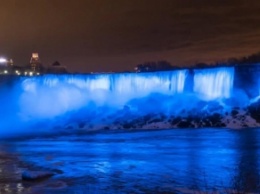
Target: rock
{"x":155,"y":120}
{"x":176,"y":120}
{"x":206,"y":123}
{"x":234,"y":112}
{"x":36,"y":175}
{"x":127,"y":125}
{"x":184,"y":124}
{"x":254,"y":111}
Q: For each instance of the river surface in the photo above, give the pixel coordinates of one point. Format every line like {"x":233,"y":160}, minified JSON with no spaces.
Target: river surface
{"x":163,"y":161}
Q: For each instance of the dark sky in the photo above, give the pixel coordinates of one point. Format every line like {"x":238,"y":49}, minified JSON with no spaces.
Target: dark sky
{"x":112,"y":35}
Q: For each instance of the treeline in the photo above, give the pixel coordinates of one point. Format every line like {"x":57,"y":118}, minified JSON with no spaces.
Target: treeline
{"x":248,"y":60}
{"x":155,"y":66}
{"x":166,"y":66}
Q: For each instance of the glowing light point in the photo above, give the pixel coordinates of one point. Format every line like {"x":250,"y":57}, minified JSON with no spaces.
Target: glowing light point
{"x":3,"y":60}
{"x":17,"y":72}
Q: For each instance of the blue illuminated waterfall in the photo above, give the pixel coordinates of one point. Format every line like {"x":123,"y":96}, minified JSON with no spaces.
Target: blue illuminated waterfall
{"x":34,"y":99}
{"x":52,"y":95}
{"x":214,"y":83}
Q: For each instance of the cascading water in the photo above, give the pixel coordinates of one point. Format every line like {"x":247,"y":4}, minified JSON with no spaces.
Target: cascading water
{"x":95,"y":95}
{"x":214,"y":83}
{"x":53,"y":95}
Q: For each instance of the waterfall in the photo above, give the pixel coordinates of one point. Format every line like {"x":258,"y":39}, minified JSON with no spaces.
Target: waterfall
{"x":214,"y":83}
{"x":98,"y":98}
{"x":52,"y":95}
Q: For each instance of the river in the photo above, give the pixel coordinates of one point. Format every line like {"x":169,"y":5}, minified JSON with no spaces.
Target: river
{"x":158,"y":161}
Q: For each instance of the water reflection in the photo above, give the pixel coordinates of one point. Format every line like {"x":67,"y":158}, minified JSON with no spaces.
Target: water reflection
{"x":154,"y":161}
{"x":10,"y":181}
{"x":247,"y":173}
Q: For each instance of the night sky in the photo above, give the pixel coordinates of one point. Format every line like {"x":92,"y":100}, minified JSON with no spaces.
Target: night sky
{"x":115,"y":35}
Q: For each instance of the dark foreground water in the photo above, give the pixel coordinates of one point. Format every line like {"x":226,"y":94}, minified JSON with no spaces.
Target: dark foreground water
{"x":165,"y":161}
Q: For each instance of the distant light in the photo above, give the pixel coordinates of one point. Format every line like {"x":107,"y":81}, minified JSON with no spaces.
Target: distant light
{"x":3,"y":60}
{"x":30,"y":73}
{"x":17,"y":72}
{"x":5,"y":71}
{"x":38,"y":73}
{"x":25,"y":73}
{"x":35,"y":55}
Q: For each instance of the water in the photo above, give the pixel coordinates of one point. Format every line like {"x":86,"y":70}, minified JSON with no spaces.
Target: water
{"x":76,"y":91}
{"x":33,"y":100}
{"x":211,"y":84}
{"x":164,"y":161}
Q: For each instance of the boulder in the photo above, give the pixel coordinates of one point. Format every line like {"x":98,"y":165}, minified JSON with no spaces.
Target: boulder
{"x":36,"y":175}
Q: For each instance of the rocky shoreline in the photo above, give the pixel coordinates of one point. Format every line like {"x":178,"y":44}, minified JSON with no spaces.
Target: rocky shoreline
{"x":213,"y":115}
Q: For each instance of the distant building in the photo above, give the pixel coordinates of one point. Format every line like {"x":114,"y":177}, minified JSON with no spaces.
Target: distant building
{"x":34,"y":67}
{"x":56,"y":68}
{"x":35,"y":64}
